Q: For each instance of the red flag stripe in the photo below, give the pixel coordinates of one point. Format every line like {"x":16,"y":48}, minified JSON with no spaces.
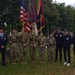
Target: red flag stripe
{"x":27,"y":27}
{"x":24,"y":16}
{"x":27,"y":24}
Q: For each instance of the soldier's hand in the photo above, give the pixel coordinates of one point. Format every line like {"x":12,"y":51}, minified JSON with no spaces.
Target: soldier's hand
{"x":46,"y":47}
{"x":35,"y":45}
{"x":10,"y":42}
{"x":31,"y":44}
{"x":24,"y":45}
{"x":2,"y":47}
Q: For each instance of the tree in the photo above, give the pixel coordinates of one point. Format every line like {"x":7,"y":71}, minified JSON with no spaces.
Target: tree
{"x":56,"y":14}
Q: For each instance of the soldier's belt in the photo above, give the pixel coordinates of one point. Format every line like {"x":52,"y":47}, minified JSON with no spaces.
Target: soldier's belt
{"x":22,"y":42}
{"x":14,"y":41}
{"x":51,"y":44}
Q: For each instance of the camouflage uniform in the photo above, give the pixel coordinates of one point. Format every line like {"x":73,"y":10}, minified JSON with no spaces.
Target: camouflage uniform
{"x":23,"y":45}
{"x":33,"y":45}
{"x":13,"y":47}
{"x":41,"y":46}
{"x":50,"y":48}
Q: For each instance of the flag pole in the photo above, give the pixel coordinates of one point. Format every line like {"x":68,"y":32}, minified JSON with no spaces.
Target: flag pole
{"x":10,"y":30}
{"x":23,"y":32}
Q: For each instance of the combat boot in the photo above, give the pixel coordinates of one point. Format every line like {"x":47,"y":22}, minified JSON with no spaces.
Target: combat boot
{"x":33,"y":62}
{"x":14,"y":62}
{"x":22,"y":62}
{"x":42,"y":62}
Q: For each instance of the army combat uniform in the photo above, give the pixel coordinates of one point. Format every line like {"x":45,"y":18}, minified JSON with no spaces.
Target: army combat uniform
{"x":23,"y":45}
{"x":13,"y":47}
{"x":32,"y":45}
{"x":41,"y":47}
{"x":50,"y":48}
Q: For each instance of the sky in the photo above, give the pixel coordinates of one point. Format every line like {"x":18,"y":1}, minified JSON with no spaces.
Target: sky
{"x":67,"y":2}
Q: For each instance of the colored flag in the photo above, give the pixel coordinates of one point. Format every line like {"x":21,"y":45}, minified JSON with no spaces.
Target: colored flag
{"x":24,"y":15}
{"x":33,"y":16}
{"x":40,"y":14}
{"x":23,"y":11}
{"x":38,"y":6}
{"x":36,"y":30}
{"x":27,"y":27}
{"x":34,"y":13}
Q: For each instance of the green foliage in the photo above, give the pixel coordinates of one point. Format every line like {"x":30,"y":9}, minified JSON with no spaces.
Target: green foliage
{"x":56,"y":14}
{"x":56,"y":68}
{"x":9,"y":12}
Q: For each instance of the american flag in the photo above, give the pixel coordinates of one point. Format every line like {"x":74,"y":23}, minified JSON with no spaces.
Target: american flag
{"x":24,"y":15}
{"x":27,"y":27}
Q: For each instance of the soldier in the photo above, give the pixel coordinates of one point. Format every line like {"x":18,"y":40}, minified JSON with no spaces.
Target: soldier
{"x":23,"y":44}
{"x":32,"y":44}
{"x":41,"y":46}
{"x":13,"y":46}
{"x":51,"y":43}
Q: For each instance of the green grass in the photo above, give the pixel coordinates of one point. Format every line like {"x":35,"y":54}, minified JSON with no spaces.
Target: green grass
{"x":37,"y":68}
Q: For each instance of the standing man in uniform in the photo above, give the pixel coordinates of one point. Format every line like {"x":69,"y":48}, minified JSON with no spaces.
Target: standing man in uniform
{"x":51,"y":44}
{"x":66,"y":46}
{"x":13,"y":46}
{"x":32,"y":44}
{"x":58,"y":36}
{"x":3,"y":43}
{"x":23,"y":44}
{"x":41,"y":46}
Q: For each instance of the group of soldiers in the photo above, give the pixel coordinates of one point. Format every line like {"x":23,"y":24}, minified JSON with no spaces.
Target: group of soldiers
{"x":21,"y":43}
{"x":24,"y":42}
{"x":56,"y":42}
